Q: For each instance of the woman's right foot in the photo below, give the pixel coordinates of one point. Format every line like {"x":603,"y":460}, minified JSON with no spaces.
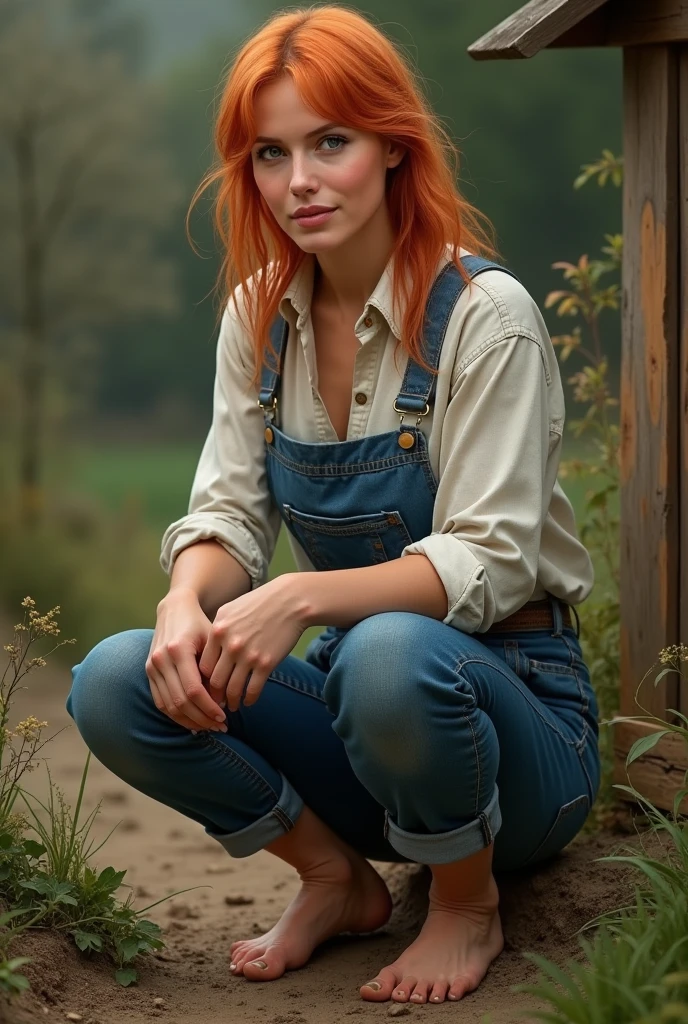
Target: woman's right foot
{"x":343,"y":894}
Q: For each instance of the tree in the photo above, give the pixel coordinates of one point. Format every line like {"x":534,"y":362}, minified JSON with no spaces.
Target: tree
{"x":83,"y":190}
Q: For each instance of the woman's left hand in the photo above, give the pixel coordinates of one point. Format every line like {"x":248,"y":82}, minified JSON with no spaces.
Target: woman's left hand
{"x":250,"y":636}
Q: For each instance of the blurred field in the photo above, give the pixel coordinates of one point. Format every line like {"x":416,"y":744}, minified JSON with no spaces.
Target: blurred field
{"x":98,"y":553}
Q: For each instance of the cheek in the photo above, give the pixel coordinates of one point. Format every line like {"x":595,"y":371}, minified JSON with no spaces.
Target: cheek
{"x":362,"y":177}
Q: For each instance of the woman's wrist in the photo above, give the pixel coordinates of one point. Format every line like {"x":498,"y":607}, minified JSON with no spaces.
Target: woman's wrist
{"x":178,"y":592}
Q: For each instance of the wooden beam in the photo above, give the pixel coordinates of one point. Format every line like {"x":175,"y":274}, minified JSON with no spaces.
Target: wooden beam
{"x":630,"y":23}
{"x":650,"y":374}
{"x":659,"y":774}
{"x":532,"y":28}
{"x":683,"y":342}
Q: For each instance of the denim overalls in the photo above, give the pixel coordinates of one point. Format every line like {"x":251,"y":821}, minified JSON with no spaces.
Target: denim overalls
{"x":410,"y":738}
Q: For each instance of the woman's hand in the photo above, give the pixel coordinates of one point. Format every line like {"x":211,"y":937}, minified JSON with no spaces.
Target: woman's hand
{"x":250,"y":636}
{"x":181,"y":633}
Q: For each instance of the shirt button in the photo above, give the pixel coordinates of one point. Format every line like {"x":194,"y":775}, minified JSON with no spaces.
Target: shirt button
{"x":368,"y":321}
{"x":361,"y":398}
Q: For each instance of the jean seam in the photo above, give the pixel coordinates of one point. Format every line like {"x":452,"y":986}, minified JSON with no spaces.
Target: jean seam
{"x":350,"y":468}
{"x":277,"y":677}
{"x":497,"y":668}
{"x":282,"y":817}
{"x":239,"y":762}
{"x":477,"y":761}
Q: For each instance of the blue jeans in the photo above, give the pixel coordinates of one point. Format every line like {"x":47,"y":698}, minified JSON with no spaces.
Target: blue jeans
{"x":410,"y":739}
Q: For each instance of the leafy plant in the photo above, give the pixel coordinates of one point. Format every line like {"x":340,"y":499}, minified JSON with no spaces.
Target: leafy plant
{"x":588,"y":295}
{"x":48,"y":881}
{"x":637,"y":962}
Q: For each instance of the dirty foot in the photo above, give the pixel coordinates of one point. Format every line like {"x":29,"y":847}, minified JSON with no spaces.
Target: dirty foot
{"x":344,"y":894}
{"x":450,"y":957}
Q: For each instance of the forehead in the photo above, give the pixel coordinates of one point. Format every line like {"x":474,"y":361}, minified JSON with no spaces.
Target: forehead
{"x":279,"y":109}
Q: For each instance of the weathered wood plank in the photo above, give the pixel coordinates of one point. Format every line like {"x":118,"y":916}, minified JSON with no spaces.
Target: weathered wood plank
{"x":531,"y":28}
{"x":630,"y":23}
{"x":659,"y":774}
{"x":649,"y":373}
{"x":683,"y":342}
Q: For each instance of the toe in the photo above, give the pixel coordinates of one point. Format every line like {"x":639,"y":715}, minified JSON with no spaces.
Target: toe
{"x":420,"y":992}
{"x":458,"y":989}
{"x":264,"y":968}
{"x":380,"y":988}
{"x":404,"y":989}
{"x":439,"y":992}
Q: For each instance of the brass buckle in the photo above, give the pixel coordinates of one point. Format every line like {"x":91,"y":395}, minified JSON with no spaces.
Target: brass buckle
{"x":404,"y":412}
{"x":269,"y":408}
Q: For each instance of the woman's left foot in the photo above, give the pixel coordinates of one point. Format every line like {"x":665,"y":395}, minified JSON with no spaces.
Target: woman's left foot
{"x":449,"y":958}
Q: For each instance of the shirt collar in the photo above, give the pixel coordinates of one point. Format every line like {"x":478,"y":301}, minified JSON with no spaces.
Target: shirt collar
{"x":299,"y":292}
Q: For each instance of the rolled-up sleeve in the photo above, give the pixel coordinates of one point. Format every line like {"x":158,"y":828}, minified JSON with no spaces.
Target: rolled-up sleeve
{"x":495,"y":483}
{"x":230,"y":500}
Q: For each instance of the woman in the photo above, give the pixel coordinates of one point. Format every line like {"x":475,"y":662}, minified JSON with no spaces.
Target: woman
{"x":394,"y":398}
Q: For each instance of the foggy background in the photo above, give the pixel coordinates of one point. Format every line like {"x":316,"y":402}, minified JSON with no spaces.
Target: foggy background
{"x":107,"y":321}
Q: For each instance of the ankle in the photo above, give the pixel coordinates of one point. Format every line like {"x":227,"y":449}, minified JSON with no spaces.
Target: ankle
{"x":316,"y":852}
{"x":483,"y":900}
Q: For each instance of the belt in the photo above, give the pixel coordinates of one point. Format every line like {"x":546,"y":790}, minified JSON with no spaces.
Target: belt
{"x":533,"y":615}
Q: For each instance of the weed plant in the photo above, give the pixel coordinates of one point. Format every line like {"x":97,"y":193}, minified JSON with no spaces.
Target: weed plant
{"x":46,"y":876}
{"x":636,"y":965}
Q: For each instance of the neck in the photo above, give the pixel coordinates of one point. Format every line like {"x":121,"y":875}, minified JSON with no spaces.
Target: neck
{"x":346,"y":277}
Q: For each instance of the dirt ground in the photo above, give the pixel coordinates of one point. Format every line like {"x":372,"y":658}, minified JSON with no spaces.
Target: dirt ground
{"x":163,"y":852}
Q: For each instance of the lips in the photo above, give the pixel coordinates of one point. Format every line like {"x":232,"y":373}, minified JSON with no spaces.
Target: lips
{"x":312,"y":211}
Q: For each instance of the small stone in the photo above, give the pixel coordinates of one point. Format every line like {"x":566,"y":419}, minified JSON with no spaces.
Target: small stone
{"x":73,"y":1016}
{"x":159,"y":1002}
{"x":219,"y":869}
{"x":399,"y":1010}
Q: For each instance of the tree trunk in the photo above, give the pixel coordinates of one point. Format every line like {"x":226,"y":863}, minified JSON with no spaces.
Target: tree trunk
{"x":33,"y":340}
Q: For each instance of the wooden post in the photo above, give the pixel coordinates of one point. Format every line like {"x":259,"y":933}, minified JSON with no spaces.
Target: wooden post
{"x":654,"y":366}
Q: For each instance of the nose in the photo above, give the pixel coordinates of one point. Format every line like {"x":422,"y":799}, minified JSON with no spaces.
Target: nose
{"x":302,"y":177}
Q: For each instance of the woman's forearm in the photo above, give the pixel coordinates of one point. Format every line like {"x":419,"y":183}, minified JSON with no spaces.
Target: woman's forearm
{"x":208,"y":570}
{"x":342,"y":597}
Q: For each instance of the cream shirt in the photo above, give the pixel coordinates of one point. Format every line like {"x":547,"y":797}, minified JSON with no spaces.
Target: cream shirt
{"x":503,"y":531}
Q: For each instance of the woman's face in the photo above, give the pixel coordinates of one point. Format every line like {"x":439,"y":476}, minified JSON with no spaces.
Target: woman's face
{"x":299,"y":161}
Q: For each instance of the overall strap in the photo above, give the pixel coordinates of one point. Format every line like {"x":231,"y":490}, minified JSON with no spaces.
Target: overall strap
{"x":270,"y":375}
{"x":418,"y":386}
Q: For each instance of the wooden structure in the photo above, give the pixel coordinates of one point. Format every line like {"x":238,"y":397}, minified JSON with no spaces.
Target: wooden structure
{"x":654,"y":366}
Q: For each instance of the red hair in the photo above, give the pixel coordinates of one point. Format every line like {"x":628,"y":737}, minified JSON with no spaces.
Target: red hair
{"x":347,"y":71}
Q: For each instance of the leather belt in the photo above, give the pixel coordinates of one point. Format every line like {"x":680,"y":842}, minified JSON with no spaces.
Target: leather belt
{"x":533,"y":615}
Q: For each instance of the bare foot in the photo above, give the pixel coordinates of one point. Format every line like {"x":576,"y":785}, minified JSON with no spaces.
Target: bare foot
{"x":344,"y":894}
{"x":449,"y":958}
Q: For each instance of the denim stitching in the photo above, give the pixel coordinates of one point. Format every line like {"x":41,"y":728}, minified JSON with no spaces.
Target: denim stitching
{"x":283,"y":680}
{"x":238,"y":762}
{"x":354,"y":529}
{"x":526,"y":695}
{"x":351,"y":468}
{"x":477,"y":761}
{"x":282,"y":817}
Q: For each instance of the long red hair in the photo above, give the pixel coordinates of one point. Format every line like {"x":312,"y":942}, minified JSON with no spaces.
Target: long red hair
{"x":347,"y":71}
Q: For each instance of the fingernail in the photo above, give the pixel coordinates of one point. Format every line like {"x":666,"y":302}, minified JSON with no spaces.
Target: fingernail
{"x":194,"y":732}
{"x":223,"y":703}
{"x":259,"y":963}
{"x":375,"y":985}
{"x":219,"y":718}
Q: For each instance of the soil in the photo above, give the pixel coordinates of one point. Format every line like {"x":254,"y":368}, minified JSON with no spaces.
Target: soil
{"x":189,"y":981}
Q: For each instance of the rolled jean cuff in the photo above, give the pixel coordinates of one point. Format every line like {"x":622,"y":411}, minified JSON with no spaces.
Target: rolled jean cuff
{"x":271,"y":826}
{"x":446,"y":847}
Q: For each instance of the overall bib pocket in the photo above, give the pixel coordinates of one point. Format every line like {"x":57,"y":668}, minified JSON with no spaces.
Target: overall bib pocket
{"x":348,"y":542}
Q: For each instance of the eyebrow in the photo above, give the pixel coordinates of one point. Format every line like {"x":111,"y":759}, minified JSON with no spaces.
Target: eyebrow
{"x":316,"y":131}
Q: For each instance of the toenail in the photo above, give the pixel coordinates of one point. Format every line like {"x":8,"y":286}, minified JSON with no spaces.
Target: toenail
{"x":259,"y":963}
{"x":375,"y":985}
{"x":416,"y":995}
{"x":435,"y":999}
{"x":232,"y":967}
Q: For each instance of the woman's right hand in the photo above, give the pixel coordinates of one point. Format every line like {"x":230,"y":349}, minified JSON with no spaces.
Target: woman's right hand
{"x":177,"y":687}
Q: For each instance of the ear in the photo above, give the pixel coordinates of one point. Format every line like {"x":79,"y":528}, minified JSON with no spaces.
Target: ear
{"x":395,"y":154}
